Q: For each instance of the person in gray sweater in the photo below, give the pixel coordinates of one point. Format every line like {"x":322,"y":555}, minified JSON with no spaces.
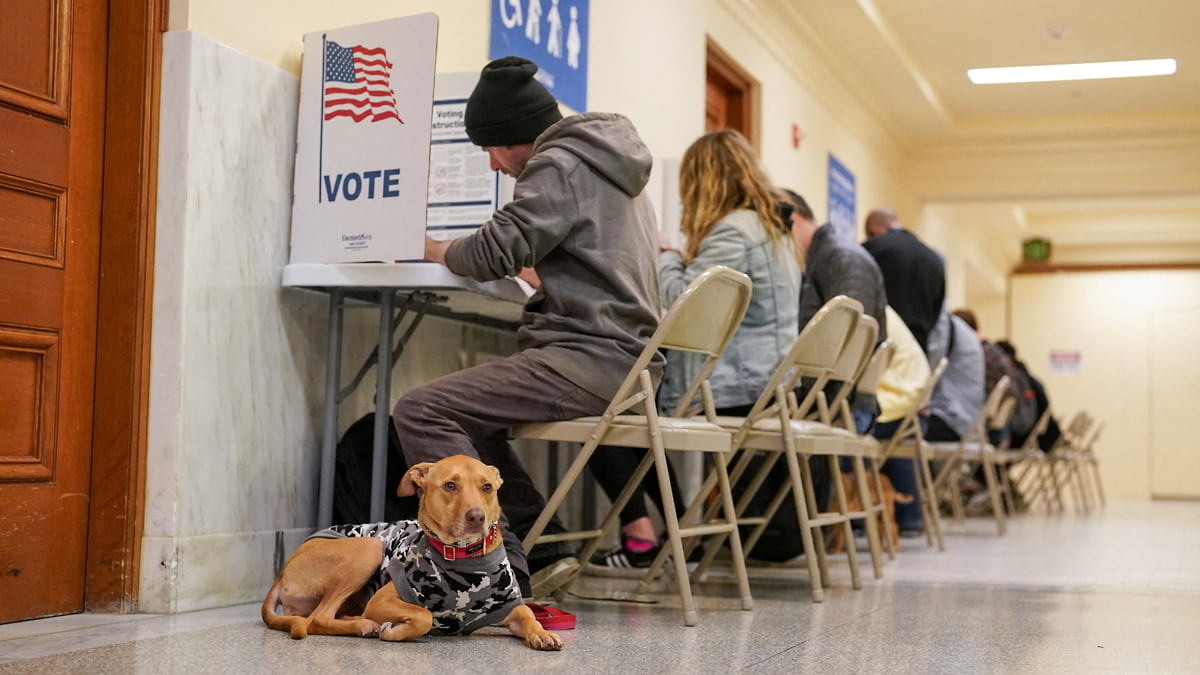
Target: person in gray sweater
{"x":959,"y":396}
{"x":580,"y":218}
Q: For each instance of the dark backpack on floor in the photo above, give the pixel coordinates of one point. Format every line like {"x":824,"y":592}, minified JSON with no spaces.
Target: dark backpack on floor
{"x":352,"y":476}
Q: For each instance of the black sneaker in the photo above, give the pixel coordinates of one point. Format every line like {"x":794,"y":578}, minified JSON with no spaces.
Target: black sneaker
{"x":620,"y":562}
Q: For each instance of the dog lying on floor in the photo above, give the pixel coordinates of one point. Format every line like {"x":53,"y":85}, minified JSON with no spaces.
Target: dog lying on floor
{"x":445,"y":573}
{"x":854,"y":503}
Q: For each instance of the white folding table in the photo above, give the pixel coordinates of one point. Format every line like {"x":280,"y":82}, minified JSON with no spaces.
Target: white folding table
{"x":398,"y":290}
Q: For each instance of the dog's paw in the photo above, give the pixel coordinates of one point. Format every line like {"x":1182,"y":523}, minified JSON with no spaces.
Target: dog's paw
{"x":544,"y":641}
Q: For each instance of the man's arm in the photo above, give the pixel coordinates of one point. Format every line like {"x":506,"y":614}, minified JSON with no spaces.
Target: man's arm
{"x":435,"y":251}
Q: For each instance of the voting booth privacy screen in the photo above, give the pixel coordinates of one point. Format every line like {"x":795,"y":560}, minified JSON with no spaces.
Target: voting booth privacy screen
{"x":362,"y":142}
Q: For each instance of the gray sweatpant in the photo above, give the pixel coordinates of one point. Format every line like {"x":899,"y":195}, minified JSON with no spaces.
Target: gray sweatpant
{"x":471,"y":411}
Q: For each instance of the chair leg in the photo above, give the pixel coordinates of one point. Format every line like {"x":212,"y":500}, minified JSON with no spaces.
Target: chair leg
{"x":993,"y":486}
{"x":860,"y":479}
{"x":1099,"y":485}
{"x":674,"y":540}
{"x":735,"y":540}
{"x":839,"y":489}
{"x":890,"y":543}
{"x":806,"y":534}
{"x":929,"y":499}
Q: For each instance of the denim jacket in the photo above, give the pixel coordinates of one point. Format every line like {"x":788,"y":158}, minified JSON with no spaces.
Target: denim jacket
{"x":771,"y":323}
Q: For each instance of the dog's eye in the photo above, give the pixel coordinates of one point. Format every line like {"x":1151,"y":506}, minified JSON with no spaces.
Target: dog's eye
{"x":487,"y":487}
{"x":450,"y":486}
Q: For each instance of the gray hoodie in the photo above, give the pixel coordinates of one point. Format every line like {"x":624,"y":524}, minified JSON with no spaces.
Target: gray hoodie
{"x":580,"y":218}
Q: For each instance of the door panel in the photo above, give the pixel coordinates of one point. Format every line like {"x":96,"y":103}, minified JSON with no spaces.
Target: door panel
{"x":1174,"y":399}
{"x":52,"y":69}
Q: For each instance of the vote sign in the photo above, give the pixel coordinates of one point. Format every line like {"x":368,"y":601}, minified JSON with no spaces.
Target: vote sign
{"x":362,"y":142}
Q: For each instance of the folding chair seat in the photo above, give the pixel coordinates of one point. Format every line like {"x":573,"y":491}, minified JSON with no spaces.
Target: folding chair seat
{"x":908,"y":442}
{"x":702,"y":320}
{"x":776,"y":426}
{"x":972,"y":450}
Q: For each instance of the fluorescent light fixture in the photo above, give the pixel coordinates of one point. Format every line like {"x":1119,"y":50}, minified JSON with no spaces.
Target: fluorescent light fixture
{"x":1072,"y":71}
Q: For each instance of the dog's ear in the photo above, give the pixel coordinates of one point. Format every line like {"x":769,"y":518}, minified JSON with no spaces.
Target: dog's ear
{"x":413,"y":478}
{"x":494,"y":477}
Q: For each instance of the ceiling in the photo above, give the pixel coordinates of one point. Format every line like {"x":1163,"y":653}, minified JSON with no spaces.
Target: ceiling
{"x":907,"y":61}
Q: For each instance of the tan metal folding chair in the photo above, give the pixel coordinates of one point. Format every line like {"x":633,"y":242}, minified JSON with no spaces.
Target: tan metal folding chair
{"x":909,"y":442}
{"x":776,"y":427}
{"x":970,"y":450}
{"x":702,"y":320}
{"x":1026,"y":456}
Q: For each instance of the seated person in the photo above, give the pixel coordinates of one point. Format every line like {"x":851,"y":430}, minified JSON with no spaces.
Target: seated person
{"x":1031,"y":406}
{"x":958,"y":397}
{"x":730,"y":219}
{"x":832,"y":267}
{"x":580,"y":217}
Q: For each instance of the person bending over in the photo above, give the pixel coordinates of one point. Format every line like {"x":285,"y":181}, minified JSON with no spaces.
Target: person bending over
{"x":581,"y":219}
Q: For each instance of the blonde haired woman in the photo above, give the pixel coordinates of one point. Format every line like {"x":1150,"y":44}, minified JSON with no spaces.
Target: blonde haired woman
{"x":730,"y":218}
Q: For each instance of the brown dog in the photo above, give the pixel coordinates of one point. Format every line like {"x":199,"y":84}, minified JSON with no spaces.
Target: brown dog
{"x":854,"y":503}
{"x":387,"y":579}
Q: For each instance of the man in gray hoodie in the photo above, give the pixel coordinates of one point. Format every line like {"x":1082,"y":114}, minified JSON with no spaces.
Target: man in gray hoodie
{"x":580,"y":219}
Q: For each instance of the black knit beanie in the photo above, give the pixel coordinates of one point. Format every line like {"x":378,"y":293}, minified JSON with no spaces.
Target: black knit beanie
{"x":509,"y":106}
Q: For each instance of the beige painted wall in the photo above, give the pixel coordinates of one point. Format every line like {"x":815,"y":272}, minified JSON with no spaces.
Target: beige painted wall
{"x":659,"y":84}
{"x":1109,"y":317}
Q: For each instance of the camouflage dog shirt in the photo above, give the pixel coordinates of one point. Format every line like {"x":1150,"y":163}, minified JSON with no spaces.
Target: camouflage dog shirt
{"x":464,"y":594}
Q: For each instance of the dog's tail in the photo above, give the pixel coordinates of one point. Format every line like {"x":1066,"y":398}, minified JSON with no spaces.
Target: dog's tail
{"x":296,"y":626}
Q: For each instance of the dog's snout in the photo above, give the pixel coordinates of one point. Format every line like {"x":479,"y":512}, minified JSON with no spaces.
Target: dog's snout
{"x":475,"y":517}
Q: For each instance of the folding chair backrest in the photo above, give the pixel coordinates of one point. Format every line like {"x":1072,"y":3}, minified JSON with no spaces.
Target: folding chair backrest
{"x":910,"y":424}
{"x":813,"y":354}
{"x":702,"y":320}
{"x":1039,"y":428}
{"x":857,"y":351}
{"x":1003,"y":412}
{"x":850,"y":363}
{"x":977,"y":432}
{"x":868,"y":381}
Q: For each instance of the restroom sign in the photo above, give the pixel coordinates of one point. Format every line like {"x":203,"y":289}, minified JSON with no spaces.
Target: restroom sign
{"x":362,"y":142}
{"x":552,"y":34}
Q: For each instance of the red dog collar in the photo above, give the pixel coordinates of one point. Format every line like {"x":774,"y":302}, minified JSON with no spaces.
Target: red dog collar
{"x":456,"y":552}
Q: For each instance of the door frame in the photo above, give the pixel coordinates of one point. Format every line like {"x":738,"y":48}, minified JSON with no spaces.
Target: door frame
{"x":126,"y":289}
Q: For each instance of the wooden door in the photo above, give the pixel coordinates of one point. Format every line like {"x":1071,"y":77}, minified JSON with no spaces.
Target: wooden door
{"x":52,"y":78}
{"x":728,"y":96}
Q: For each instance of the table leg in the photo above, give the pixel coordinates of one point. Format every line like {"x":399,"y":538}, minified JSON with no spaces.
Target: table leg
{"x":333,"y":374}
{"x":383,"y":377}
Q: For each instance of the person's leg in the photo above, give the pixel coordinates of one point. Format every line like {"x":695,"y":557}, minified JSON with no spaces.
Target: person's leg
{"x":470,"y":412}
{"x":612,"y":467}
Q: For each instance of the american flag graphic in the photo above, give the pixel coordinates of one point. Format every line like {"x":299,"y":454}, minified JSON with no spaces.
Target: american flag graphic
{"x":357,"y":84}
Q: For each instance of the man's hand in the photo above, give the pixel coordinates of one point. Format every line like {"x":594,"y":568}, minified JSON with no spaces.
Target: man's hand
{"x":530,"y":277}
{"x":435,"y":251}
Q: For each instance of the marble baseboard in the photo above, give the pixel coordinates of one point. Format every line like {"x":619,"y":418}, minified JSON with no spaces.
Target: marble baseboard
{"x":182,"y":574}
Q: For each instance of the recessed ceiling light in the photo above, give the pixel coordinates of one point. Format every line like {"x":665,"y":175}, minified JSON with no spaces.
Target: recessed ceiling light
{"x":1072,"y":71}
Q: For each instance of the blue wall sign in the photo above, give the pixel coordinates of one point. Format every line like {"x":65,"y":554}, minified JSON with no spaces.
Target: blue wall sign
{"x":841,"y":200}
{"x":552,"y":34}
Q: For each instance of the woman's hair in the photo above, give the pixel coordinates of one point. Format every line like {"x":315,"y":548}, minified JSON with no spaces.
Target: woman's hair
{"x":719,"y":174}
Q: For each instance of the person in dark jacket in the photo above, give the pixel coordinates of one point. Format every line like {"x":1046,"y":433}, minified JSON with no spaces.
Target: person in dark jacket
{"x":914,"y":275}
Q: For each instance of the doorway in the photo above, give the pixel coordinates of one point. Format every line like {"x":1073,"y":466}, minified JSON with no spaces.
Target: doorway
{"x":729,"y":96}
{"x":78,"y":104}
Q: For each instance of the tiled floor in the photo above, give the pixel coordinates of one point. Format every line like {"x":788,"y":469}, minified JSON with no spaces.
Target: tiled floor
{"x":1117,"y":590}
